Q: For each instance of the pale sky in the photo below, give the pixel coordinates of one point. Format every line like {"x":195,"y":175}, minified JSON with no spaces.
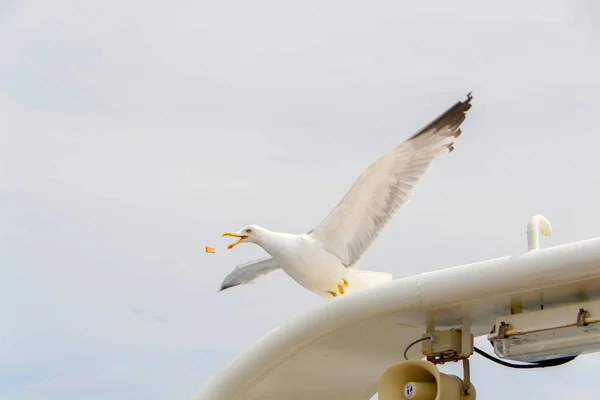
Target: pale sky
{"x":133,"y":133}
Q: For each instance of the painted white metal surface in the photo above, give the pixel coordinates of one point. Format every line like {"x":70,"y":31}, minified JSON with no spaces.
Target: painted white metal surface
{"x":339,"y":350}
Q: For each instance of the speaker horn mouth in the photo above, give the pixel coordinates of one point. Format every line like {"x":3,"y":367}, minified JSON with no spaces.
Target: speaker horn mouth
{"x":420,"y":380}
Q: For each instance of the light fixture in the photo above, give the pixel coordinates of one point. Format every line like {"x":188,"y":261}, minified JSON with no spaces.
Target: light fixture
{"x":548,"y":334}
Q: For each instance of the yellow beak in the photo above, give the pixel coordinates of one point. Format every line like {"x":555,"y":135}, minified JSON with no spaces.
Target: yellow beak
{"x":242,"y":238}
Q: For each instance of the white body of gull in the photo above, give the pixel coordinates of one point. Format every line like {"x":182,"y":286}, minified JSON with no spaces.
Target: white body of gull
{"x":325,"y":260}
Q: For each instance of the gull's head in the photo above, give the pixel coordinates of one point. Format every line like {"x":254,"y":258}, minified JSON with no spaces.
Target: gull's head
{"x":248,"y":234}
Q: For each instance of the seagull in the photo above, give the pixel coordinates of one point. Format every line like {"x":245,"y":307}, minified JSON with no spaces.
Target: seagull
{"x":325,"y":259}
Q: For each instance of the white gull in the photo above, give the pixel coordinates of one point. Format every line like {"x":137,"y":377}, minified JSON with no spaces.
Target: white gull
{"x":325,"y":260}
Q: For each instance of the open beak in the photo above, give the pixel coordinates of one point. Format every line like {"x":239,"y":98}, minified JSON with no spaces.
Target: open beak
{"x":242,"y":238}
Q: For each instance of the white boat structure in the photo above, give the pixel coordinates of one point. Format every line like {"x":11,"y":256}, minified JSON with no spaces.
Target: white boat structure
{"x":541,"y":308}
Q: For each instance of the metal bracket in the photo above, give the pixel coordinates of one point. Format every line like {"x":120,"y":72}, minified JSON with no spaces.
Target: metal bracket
{"x":467,"y":338}
{"x":463,"y":349}
{"x":581,"y":317}
{"x":467,"y":376}
{"x":466,"y":352}
{"x":502,"y":330}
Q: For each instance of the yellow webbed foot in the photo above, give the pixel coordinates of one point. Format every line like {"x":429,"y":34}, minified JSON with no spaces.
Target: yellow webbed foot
{"x":342,"y":286}
{"x":340,"y":289}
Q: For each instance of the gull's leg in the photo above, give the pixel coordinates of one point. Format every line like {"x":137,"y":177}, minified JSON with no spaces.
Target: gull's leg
{"x":333,"y":294}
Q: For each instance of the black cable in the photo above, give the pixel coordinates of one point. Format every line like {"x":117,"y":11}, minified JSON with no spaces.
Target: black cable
{"x":415,"y":342}
{"x":540,"y":364}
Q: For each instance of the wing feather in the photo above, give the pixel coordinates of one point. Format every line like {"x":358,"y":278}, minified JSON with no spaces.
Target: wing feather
{"x":386,"y":186}
{"x":249,"y":272}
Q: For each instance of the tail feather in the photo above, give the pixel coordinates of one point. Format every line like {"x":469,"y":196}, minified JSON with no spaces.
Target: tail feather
{"x":374,"y":277}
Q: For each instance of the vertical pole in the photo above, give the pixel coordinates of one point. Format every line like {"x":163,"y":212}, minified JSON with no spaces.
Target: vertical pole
{"x":466,"y":350}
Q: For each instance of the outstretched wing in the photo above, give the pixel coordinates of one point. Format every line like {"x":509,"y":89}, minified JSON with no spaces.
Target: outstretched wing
{"x":385,"y":186}
{"x":249,"y":272}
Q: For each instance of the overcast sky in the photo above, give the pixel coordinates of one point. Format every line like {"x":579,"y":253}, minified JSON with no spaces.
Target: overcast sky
{"x":133,"y":133}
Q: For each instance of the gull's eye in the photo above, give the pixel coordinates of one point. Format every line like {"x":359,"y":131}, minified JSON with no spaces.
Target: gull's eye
{"x":248,"y":230}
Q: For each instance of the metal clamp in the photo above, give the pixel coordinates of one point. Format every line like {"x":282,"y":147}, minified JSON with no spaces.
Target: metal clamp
{"x":581,"y":317}
{"x":502,"y":330}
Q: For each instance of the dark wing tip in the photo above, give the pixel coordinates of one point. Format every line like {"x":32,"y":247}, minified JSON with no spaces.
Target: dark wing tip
{"x":453,"y":117}
{"x":225,"y":286}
